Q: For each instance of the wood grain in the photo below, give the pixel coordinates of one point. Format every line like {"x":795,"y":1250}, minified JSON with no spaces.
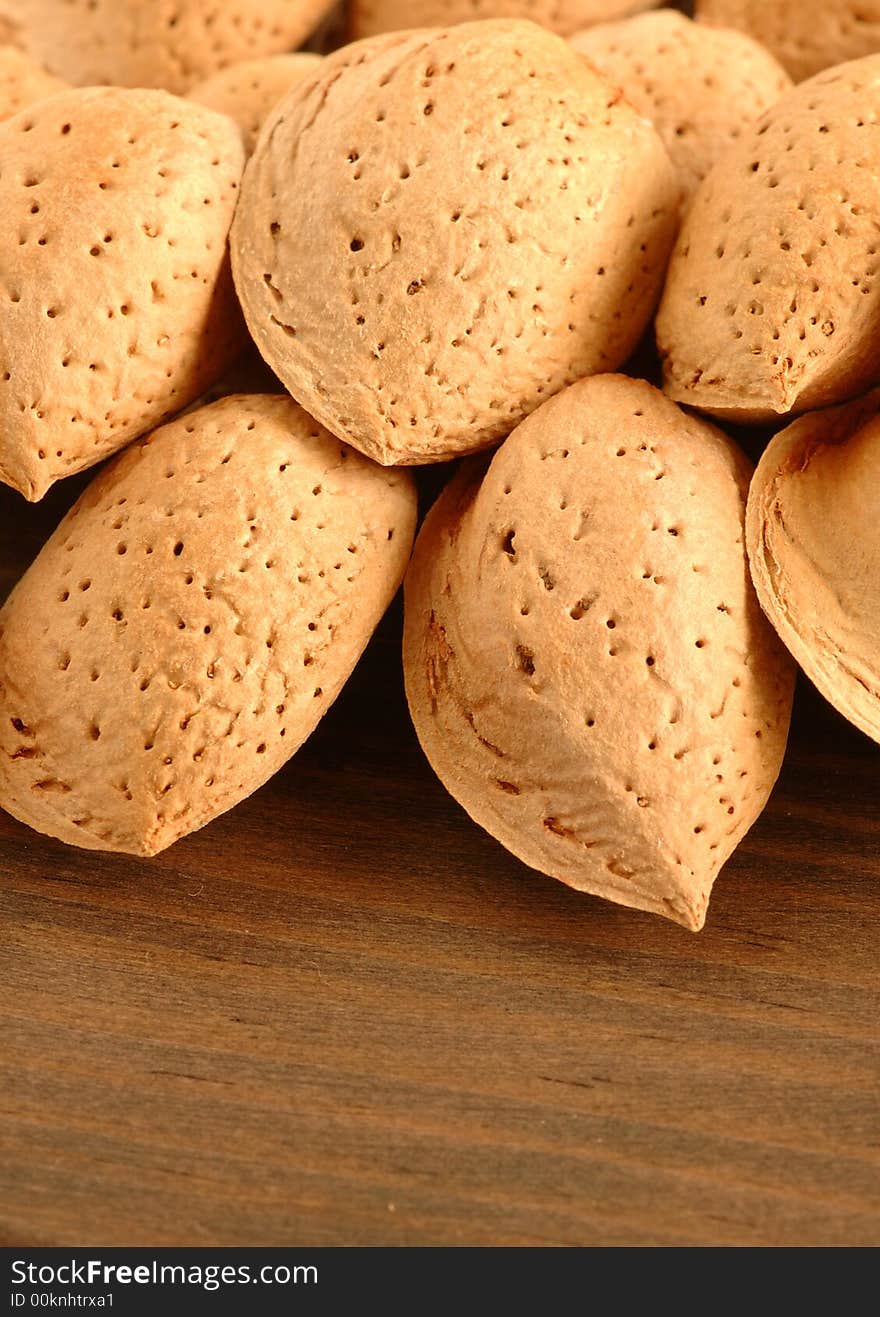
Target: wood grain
{"x":343,"y":1015}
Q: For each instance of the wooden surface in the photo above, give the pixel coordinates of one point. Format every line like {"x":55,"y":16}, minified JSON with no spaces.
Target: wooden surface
{"x":342,"y":1014}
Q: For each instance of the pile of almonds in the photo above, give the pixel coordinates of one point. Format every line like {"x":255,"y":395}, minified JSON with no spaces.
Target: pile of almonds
{"x":443,"y":240}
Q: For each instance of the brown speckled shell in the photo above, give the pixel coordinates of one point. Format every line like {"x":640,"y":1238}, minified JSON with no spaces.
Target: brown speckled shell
{"x":772,"y":302}
{"x":814,"y":544}
{"x":157,"y":43}
{"x":247,"y":92}
{"x":116,"y":301}
{"x":441,"y":229}
{"x":369,"y":17}
{"x":699,"y":86}
{"x":804,"y":35}
{"x":587,"y":665}
{"x":190,"y":621}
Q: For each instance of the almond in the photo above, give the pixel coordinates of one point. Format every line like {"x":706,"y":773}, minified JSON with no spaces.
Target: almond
{"x":116,"y":302}
{"x":248,"y":91}
{"x":564,"y":16}
{"x":814,"y":545}
{"x":772,"y":303}
{"x":440,"y":229}
{"x":587,"y":665}
{"x":699,"y":86}
{"x":157,"y":43}
{"x":22,"y":82}
{"x":190,"y":621}
{"x":804,"y":35}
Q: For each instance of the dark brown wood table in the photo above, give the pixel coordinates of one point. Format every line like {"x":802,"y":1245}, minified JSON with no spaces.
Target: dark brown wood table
{"x":343,"y":1015}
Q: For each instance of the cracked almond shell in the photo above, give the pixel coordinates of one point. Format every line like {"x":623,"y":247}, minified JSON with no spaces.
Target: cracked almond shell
{"x":587,"y":665}
{"x":804,"y":35}
{"x":814,"y":545}
{"x":369,"y":17}
{"x":190,"y":621}
{"x":22,"y":82}
{"x":247,"y":92}
{"x":116,"y":300}
{"x":699,"y":86}
{"x":440,"y":229}
{"x":171,"y":44}
{"x":772,"y":301}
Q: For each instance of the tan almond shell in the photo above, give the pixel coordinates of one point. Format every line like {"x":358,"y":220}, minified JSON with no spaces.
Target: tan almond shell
{"x":699,"y":86}
{"x":22,"y":82}
{"x":116,"y":301}
{"x":431,"y":241}
{"x":171,"y":44}
{"x":772,"y":302}
{"x":369,"y":17}
{"x":247,"y":92}
{"x":804,"y":35}
{"x":813,"y":534}
{"x":190,"y":622}
{"x":587,"y":666}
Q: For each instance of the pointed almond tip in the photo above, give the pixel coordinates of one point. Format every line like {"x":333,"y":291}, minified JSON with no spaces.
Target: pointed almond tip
{"x":692,"y":914}
{"x":685,"y":907}
{"x":29,"y":488}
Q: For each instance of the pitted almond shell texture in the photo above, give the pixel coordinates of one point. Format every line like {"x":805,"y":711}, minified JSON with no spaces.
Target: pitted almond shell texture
{"x":247,"y":92}
{"x":806,"y":36}
{"x":369,"y":17}
{"x":190,"y":621}
{"x":171,"y":44}
{"x":116,"y":300}
{"x":699,"y":86}
{"x":22,"y":81}
{"x":441,"y":229}
{"x":814,"y":545}
{"x":772,"y":301}
{"x":587,"y":665}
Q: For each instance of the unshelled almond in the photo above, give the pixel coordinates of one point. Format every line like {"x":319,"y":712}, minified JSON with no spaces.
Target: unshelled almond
{"x":440,"y":229}
{"x":699,"y":86}
{"x":171,"y":44}
{"x":190,"y":622}
{"x":116,"y":301}
{"x":248,"y":91}
{"x":587,"y":664}
{"x":772,"y":302}
{"x":804,"y":35}
{"x":369,"y":17}
{"x":814,"y":545}
{"x":22,"y":81}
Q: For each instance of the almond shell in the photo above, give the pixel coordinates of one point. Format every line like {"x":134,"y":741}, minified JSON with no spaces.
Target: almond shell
{"x":440,"y":229}
{"x":22,"y":81}
{"x":247,"y":92}
{"x":116,"y":301}
{"x":699,"y":86}
{"x":587,"y":665}
{"x":806,"y":36}
{"x":171,"y":44}
{"x":191,"y":621}
{"x":814,"y":545}
{"x":369,"y":17}
{"x":772,"y":301}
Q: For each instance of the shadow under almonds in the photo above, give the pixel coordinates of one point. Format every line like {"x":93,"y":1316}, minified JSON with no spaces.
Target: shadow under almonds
{"x":343,"y":1014}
